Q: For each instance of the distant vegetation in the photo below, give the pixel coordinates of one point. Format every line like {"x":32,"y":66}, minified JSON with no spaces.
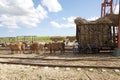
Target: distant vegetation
{"x":43,"y":39}
{"x":33,"y":38}
{"x":26,"y":38}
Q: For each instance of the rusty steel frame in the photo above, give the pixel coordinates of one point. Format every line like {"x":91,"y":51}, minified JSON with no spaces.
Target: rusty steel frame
{"x":104,"y":5}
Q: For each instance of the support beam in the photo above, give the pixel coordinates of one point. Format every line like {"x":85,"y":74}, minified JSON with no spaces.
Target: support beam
{"x":117,"y":50}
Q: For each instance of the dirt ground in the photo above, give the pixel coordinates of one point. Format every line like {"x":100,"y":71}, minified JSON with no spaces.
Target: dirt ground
{"x":26,"y":72}
{"x":20,"y":72}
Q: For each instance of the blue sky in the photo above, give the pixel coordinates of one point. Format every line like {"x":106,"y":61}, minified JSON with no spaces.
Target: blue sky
{"x":45,"y":17}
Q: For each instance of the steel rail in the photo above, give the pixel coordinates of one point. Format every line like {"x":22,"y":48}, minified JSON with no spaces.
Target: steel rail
{"x":46,"y":63}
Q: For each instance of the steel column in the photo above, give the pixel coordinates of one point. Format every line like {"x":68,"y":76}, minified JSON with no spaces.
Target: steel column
{"x":117,"y":51}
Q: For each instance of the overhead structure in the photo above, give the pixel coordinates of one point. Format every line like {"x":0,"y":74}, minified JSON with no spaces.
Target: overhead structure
{"x":106,"y":5}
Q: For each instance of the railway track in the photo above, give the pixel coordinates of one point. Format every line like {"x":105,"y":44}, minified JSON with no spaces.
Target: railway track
{"x":60,"y":62}
{"x":82,"y":62}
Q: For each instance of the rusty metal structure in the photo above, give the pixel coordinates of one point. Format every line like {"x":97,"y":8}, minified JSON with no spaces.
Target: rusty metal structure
{"x":106,"y":4}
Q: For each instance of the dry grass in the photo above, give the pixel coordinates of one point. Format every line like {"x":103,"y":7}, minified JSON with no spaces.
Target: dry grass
{"x":110,"y":19}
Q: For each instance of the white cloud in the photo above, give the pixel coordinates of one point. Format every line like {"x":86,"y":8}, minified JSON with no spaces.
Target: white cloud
{"x":8,"y":21}
{"x":92,"y":18}
{"x":55,"y":24}
{"x":70,"y":19}
{"x":69,"y":23}
{"x":15,"y":12}
{"x":52,"y":5}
